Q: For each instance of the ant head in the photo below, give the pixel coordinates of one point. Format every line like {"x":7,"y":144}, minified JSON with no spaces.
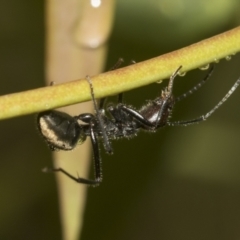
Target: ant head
{"x":60,"y":130}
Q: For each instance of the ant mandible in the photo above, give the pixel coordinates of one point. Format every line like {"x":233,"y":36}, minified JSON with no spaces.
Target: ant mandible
{"x":63,"y":132}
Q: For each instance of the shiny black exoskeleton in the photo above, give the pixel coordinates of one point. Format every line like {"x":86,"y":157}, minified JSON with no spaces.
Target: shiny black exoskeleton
{"x":63,"y":132}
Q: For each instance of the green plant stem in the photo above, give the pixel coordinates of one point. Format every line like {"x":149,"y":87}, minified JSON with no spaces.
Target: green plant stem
{"x":124,"y":79}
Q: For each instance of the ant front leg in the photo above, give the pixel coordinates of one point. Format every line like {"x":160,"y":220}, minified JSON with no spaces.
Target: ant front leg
{"x":208,"y":114}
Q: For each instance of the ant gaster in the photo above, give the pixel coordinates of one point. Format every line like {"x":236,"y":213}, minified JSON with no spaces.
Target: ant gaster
{"x":63,"y":132}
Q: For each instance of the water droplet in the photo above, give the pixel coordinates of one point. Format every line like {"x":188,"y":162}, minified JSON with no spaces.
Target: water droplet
{"x":228,"y":58}
{"x":159,"y":81}
{"x":205,"y":67}
{"x":181,"y":74}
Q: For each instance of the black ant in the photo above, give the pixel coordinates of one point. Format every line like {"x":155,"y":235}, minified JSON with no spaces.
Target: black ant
{"x":63,"y":132}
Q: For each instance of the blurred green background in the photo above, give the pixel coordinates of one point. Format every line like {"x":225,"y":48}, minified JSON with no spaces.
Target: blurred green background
{"x":180,"y":183}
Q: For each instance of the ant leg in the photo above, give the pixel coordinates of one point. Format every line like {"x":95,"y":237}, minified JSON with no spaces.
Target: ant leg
{"x":136,"y":115}
{"x":107,"y":143}
{"x":96,"y":156}
{"x":207,"y":115}
{"x":102,"y":102}
{"x":120,"y":98}
{"x":195,"y":88}
{"x":76,"y":179}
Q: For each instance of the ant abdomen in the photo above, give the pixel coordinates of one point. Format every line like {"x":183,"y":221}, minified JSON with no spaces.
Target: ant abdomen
{"x":60,"y":130}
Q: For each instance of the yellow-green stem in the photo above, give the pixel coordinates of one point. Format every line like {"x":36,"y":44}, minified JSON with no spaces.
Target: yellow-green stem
{"x":120,"y":80}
